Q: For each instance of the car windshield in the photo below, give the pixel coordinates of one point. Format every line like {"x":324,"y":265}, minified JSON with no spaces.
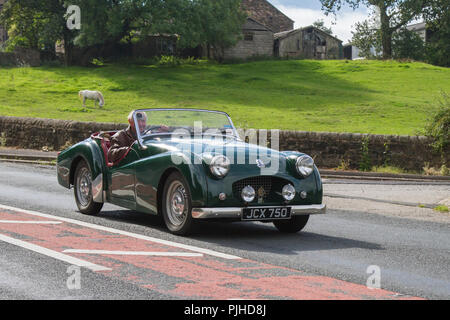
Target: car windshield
{"x":183,"y":122}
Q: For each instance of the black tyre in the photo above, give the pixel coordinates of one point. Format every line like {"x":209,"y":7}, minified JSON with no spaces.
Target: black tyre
{"x":294,"y":225}
{"x":176,"y":205}
{"x":83,"y":190}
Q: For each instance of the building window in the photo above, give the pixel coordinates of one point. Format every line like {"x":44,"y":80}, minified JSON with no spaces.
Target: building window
{"x":298,"y":44}
{"x":248,"y":36}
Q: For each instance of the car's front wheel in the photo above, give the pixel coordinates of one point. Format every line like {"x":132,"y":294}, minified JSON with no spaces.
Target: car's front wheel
{"x":83,"y":190}
{"x":176,"y":205}
{"x":295,"y":224}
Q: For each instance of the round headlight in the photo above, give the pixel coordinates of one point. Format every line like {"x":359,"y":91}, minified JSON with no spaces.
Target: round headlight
{"x":288,"y":192}
{"x":219,"y":166}
{"x":305,"y":165}
{"x":248,"y":194}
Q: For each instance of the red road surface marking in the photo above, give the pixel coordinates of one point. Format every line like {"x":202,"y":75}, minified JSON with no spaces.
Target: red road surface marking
{"x":200,"y":277}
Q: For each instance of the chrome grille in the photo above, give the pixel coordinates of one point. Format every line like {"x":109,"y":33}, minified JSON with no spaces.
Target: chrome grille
{"x":256,"y":183}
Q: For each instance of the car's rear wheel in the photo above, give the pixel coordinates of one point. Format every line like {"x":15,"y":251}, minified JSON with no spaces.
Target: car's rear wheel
{"x":83,"y":190}
{"x":295,"y":224}
{"x":176,"y":205}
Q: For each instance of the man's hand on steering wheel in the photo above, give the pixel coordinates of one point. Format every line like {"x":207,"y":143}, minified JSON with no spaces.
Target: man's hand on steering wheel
{"x":161,"y":128}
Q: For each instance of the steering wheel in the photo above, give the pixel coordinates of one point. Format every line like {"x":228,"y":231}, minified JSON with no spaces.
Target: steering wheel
{"x":151,"y":128}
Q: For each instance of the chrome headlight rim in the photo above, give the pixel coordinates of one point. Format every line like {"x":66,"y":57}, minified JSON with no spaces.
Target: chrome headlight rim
{"x":248,"y":194}
{"x":219,"y":166}
{"x":288,"y":192}
{"x":304,"y":165}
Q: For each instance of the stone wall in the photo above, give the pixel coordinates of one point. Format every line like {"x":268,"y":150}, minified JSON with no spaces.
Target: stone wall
{"x":331,"y":150}
{"x":328,"y":149}
{"x":35,"y":133}
{"x":20,"y":57}
{"x":257,"y":41}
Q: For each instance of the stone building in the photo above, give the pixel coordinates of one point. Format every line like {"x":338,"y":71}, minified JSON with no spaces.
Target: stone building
{"x":257,"y":33}
{"x":268,"y":15}
{"x":307,"y":43}
{"x":257,"y":40}
{"x":3,"y":33}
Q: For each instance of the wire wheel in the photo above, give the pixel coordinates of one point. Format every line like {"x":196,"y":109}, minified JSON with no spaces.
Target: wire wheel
{"x":84,"y":186}
{"x":176,"y":205}
{"x":83,"y":190}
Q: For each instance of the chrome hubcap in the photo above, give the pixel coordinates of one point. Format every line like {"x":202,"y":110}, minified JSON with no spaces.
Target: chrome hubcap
{"x":84,"y":186}
{"x":176,"y":203}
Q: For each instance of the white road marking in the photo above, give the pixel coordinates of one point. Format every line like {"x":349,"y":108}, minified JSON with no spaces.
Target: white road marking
{"x":30,"y":222}
{"x":125,"y":233}
{"x":136,"y":253}
{"x":53,"y":254}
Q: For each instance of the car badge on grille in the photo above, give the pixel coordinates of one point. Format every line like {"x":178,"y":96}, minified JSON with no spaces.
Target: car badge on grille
{"x":261,"y":194}
{"x":260,"y":163}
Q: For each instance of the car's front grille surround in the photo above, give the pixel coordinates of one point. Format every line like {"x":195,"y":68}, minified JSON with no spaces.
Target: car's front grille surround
{"x":256,"y":183}
{"x":272,"y":188}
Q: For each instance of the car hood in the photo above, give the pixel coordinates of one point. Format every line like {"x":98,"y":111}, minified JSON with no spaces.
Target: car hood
{"x":237,"y":151}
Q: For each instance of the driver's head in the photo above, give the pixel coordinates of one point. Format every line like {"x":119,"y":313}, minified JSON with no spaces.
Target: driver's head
{"x":141,"y":118}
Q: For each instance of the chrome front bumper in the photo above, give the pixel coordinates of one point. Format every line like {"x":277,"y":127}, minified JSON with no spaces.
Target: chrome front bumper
{"x":210,"y":213}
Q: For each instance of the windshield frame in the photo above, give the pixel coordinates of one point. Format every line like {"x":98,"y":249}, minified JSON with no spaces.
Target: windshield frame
{"x":142,"y":137}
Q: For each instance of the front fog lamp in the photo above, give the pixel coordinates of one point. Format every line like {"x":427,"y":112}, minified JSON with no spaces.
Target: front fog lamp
{"x":304,"y":165}
{"x":248,"y":194}
{"x":288,"y":192}
{"x":219,"y":166}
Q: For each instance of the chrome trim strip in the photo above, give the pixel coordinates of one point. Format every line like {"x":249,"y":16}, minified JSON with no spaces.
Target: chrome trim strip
{"x":211,"y":213}
{"x":97,"y":189}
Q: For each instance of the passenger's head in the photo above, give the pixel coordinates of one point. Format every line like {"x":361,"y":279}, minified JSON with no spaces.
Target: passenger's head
{"x":141,"y":118}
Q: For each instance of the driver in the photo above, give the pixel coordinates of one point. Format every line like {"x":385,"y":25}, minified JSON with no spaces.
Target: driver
{"x":123,"y":139}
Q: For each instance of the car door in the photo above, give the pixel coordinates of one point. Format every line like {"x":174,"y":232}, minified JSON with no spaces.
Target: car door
{"x":122,"y":179}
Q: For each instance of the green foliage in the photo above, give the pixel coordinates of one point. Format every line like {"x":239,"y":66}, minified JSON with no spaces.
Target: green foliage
{"x":39,"y":24}
{"x":27,"y":27}
{"x":366,"y":162}
{"x":441,"y":208}
{"x":172,"y":61}
{"x":438,"y":127}
{"x":391,"y":15}
{"x":367,"y":38}
{"x":407,"y":45}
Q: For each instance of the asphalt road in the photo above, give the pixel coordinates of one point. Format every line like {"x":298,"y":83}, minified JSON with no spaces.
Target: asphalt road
{"x":385,"y":224}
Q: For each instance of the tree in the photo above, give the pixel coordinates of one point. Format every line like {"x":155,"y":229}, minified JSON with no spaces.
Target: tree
{"x":393,"y":15}
{"x":37,"y":24}
{"x":407,"y":44}
{"x":320,"y":24}
{"x":437,"y":17}
{"x":221,"y":23}
{"x":366,"y":38}
{"x":198,"y":22}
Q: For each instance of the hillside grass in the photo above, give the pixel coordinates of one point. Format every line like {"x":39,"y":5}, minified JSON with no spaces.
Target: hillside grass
{"x":379,"y":97}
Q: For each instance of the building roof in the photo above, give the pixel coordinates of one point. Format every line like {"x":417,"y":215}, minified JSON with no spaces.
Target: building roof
{"x":263,"y":27}
{"x":417,"y":26}
{"x":248,"y":5}
{"x":285,"y":34}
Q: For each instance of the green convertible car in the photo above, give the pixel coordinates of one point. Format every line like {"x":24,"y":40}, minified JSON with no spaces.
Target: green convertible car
{"x":197,"y":168}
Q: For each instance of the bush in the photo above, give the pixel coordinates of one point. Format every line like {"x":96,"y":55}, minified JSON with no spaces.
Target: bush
{"x":173,"y":61}
{"x":438,"y":126}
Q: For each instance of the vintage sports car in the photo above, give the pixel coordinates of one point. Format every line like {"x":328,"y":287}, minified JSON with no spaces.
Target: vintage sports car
{"x":196,"y":168}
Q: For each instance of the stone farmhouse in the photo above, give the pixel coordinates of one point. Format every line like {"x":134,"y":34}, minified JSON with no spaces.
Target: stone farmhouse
{"x":269,"y":32}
